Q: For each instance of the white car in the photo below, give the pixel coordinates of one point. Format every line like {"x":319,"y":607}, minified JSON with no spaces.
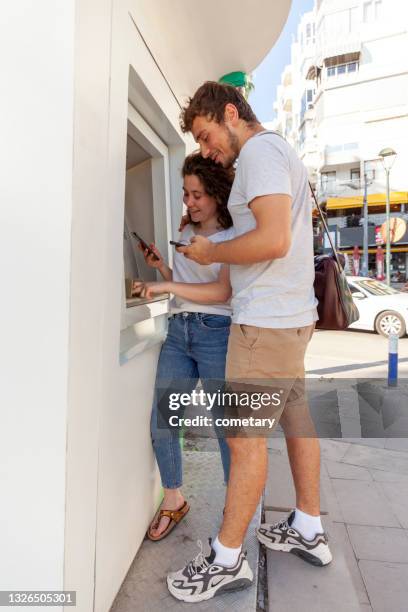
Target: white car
{"x":382,"y":308}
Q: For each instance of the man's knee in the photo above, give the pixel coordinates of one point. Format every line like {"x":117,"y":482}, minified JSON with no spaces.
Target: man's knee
{"x":296,"y":421}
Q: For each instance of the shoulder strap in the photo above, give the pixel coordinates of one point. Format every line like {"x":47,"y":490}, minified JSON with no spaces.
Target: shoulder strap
{"x":325,"y":226}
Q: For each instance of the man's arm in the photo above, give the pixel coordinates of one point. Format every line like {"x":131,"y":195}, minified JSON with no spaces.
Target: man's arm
{"x":271,"y":239}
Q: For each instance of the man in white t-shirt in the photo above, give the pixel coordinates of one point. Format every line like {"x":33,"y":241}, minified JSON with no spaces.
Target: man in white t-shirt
{"x":274,"y":314}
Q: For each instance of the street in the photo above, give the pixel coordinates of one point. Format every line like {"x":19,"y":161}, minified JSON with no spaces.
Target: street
{"x":352,"y":354}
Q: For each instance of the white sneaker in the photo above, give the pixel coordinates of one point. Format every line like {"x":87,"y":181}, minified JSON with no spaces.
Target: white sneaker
{"x":281,"y":536}
{"x":202,"y":579}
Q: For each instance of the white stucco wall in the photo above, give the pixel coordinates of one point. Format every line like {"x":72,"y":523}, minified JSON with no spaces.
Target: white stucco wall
{"x":37,"y":53}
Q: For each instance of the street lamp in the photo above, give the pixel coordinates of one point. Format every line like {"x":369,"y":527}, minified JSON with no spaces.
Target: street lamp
{"x":388,"y":156}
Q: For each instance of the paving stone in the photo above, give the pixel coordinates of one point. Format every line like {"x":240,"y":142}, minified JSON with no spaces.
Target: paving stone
{"x":331,"y":502}
{"x":277,"y":444}
{"x":337,"y":469}
{"x":362,"y":503}
{"x":399,"y":444}
{"x":280,"y":490}
{"x":381,"y":476}
{"x":397,"y":494}
{"x":379,"y":543}
{"x":374,"y":442}
{"x":295,"y":586}
{"x":341,"y":537}
{"x":386,"y":585}
{"x":376,"y":458}
{"x":333,"y":450}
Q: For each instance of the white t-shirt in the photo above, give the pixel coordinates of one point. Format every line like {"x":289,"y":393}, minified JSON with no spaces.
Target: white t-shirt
{"x":277,"y":293}
{"x":187,"y":271}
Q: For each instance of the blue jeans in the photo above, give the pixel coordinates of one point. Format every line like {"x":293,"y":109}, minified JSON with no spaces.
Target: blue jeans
{"x":195,"y":348}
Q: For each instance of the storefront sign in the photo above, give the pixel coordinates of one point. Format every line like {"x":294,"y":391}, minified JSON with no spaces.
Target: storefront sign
{"x":378,"y":235}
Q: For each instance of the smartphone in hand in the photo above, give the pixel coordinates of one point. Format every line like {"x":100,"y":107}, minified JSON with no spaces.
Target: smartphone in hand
{"x":144,"y":245}
{"x":178,"y":244}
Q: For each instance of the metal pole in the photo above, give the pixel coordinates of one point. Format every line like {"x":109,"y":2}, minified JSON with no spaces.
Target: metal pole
{"x":392,"y":360}
{"x":388,"y":242}
{"x":365,"y":226}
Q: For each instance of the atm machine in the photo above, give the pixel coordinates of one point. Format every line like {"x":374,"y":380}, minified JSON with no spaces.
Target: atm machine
{"x":143,"y":322}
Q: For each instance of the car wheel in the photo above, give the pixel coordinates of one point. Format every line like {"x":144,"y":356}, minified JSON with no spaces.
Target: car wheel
{"x":390,"y":322}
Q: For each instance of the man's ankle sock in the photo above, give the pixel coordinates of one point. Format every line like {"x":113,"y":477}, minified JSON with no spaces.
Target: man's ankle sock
{"x":307,"y":525}
{"x":224,"y":555}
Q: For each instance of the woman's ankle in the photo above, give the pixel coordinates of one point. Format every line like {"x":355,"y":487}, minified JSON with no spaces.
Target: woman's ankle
{"x":173,"y":497}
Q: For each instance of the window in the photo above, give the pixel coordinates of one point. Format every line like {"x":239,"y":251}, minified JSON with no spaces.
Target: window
{"x":376,"y":288}
{"x":306,"y":102}
{"x":302,"y":136}
{"x":372,"y":11}
{"x":302,"y":107}
{"x":355,"y":174}
{"x":353,"y":19}
{"x":341,"y":69}
{"x":354,"y":289}
{"x":328,"y":179}
{"x":368,"y":12}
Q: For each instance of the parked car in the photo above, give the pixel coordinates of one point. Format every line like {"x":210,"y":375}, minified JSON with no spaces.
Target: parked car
{"x":382,"y":308}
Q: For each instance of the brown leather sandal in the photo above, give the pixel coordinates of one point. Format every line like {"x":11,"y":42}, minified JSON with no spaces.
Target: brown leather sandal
{"x":175,"y":517}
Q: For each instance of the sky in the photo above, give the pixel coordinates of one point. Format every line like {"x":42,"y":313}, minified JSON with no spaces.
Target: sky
{"x":267,"y":75}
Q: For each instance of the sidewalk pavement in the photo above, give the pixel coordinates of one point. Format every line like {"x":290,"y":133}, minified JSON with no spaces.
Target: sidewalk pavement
{"x":144,"y":588}
{"x":364,"y":485}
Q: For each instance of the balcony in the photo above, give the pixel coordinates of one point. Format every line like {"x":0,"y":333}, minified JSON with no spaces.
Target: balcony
{"x":339,"y":189}
{"x":330,"y":47}
{"x":345,"y":153}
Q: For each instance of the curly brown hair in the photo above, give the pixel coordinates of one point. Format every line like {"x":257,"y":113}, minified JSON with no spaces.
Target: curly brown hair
{"x":210,"y":101}
{"x":216,"y":181}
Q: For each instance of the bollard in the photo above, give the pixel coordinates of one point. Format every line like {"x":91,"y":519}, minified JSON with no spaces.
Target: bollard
{"x":392,"y":360}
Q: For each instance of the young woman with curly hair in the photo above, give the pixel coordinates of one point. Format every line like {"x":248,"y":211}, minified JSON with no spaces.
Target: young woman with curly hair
{"x":199,"y":325}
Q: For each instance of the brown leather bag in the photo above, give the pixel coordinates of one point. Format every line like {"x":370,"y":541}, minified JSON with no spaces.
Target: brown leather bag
{"x":336,"y":308}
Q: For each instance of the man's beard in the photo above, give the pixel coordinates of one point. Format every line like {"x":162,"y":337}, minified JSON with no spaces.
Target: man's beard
{"x":234,"y":146}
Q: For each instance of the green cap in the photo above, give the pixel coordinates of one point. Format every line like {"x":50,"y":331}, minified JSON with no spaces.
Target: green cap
{"x":236,"y":79}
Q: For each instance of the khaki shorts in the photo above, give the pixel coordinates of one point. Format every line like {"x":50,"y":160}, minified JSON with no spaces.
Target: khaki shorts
{"x":265,"y":361}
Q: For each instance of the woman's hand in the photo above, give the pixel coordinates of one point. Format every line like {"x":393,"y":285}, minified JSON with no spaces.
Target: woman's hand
{"x":149,"y":257}
{"x":185,"y":220}
{"x":149,"y":290}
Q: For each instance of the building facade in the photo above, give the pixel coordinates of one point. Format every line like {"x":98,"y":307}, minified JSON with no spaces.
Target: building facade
{"x":349,"y":87}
